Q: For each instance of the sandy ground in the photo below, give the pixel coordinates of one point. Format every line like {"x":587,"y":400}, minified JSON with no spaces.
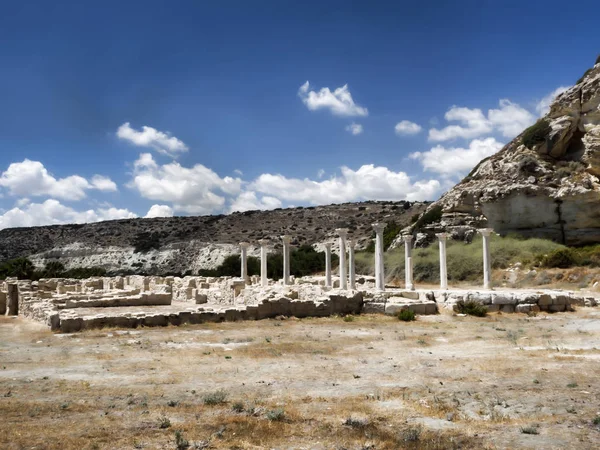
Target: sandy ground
{"x":366,"y":382}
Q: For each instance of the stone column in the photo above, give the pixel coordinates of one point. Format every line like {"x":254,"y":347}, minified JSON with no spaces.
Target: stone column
{"x":443,"y":270}
{"x":328,"y":265}
{"x":12,"y":299}
{"x":351,"y":265}
{"x":487,"y":261}
{"x":244,"y":259}
{"x":286,"y":259}
{"x":408,"y":268}
{"x":343,"y":234}
{"x":379,"y":267}
{"x":263,"y":262}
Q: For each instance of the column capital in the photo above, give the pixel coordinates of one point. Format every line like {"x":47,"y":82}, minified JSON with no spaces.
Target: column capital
{"x":407,"y":238}
{"x":379,"y":226}
{"x":328,"y":245}
{"x":244,"y":244}
{"x":350,"y":243}
{"x":485,"y":231}
{"x":286,"y":238}
{"x":263,"y":242}
{"x":442,"y":236}
{"x":342,"y":232}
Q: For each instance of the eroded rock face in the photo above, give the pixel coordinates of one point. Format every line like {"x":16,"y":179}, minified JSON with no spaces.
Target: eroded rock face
{"x":551,"y":190}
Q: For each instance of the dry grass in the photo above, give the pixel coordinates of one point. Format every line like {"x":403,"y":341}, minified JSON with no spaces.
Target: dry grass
{"x":373,"y":381}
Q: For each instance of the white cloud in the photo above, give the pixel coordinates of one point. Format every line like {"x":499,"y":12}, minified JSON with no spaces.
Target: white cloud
{"x":31,"y":178}
{"x":406,"y":127}
{"x":150,"y":137}
{"x":195,"y":190}
{"x":474,"y":123}
{"x":354,"y":128}
{"x":320,"y":173}
{"x":510,"y":119}
{"x":339,"y":102}
{"x":248,"y":201}
{"x":159,"y":211}
{"x":456,"y":161}
{"x":543,"y":106}
{"x":103,"y":183}
{"x":52,"y":212}
{"x":238,"y":172}
{"x":367,"y":183}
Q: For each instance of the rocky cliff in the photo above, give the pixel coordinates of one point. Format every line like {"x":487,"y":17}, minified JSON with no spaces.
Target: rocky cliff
{"x":178,"y":245}
{"x":544,"y":183}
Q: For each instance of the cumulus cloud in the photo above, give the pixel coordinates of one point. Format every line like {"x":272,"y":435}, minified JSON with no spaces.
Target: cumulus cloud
{"x":509,"y":119}
{"x":52,"y":212}
{"x":369,"y":182}
{"x":354,"y":128}
{"x":195,"y":190}
{"x":406,"y":127}
{"x":456,"y":161}
{"x":31,"y":178}
{"x":103,"y":183}
{"x":248,"y":201}
{"x":339,"y":102}
{"x":543,"y":106}
{"x":159,"y":211}
{"x":150,"y":137}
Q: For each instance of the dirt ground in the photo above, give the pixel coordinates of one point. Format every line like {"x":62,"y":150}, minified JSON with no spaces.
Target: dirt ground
{"x":360,"y":382}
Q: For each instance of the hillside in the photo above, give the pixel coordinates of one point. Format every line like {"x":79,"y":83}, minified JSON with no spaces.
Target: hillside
{"x":544,"y":183}
{"x":182,"y":244}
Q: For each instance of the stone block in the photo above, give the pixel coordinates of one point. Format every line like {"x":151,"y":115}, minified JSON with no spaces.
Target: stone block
{"x":413,"y":295}
{"x":493,"y":308}
{"x":545,"y":300}
{"x":557,"y":308}
{"x":373,"y":308}
{"x":560,"y":300}
{"x":503,"y":299}
{"x":480,"y":297}
{"x":507,"y":308}
{"x":2,"y":303}
{"x":577,"y":301}
{"x":523,"y":308}
{"x":201,"y":299}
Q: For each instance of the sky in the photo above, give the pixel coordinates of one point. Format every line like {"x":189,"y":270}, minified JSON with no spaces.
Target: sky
{"x":113,"y":110}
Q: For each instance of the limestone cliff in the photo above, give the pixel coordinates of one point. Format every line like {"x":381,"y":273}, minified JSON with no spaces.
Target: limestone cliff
{"x":544,"y":183}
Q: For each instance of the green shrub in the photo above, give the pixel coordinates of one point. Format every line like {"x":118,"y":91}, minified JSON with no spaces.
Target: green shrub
{"x":22,"y":268}
{"x":406,"y":315}
{"x":276,"y":415}
{"x":596,"y":420}
{"x":349,"y":318}
{"x":470,"y":308}
{"x":238,"y":407}
{"x":215,"y":398}
{"x":536,"y":133}
{"x":145,"y":241}
{"x":562,"y":258}
{"x":432,"y":215}
{"x":530,"y":430}
{"x":180,"y":442}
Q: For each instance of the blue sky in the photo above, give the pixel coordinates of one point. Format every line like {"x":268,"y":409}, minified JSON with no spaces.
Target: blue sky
{"x":123,"y":109}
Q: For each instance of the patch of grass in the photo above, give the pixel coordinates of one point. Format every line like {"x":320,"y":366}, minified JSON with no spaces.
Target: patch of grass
{"x":348,"y":318}
{"x":596,"y":420}
{"x":531,"y":429}
{"x":356,"y":423}
{"x":470,"y":308}
{"x":164,"y":422}
{"x":237,"y":407}
{"x":275,"y":415}
{"x":406,"y":315}
{"x":561,"y":258}
{"x":215,"y":398}
{"x":411,"y":434}
{"x":432,"y":215}
{"x":572,"y":385}
{"x":180,"y":442}
{"x":536,"y":133}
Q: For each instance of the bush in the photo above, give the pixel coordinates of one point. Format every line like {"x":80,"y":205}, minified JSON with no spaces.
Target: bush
{"x":406,"y":315}
{"x":180,"y":442}
{"x":276,"y":415}
{"x":470,"y":308}
{"x":145,"y":241}
{"x":528,"y":164}
{"x":536,"y":134}
{"x":215,"y":398}
{"x":430,"y":216}
{"x":22,"y":268}
{"x":237,"y":407}
{"x":562,"y":258}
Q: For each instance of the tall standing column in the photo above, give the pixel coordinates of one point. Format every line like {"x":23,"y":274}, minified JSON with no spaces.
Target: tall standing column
{"x":263,"y":262}
{"x":487,"y":261}
{"x":408,"y":268}
{"x":351,"y":265}
{"x":343,"y":234}
{"x":286,"y":259}
{"x":379,"y":268}
{"x":443,"y":268}
{"x":328,"y":265}
{"x":244,"y":259}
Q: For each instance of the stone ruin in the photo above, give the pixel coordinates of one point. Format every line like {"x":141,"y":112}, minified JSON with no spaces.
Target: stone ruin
{"x":70,"y":305}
